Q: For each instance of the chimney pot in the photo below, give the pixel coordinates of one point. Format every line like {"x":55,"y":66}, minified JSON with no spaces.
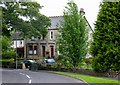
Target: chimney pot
{"x":82,"y":11}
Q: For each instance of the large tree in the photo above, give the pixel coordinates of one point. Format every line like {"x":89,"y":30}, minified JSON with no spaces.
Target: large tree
{"x":105,"y":48}
{"x":21,"y":16}
{"x":73,"y":36}
{"x":24,"y":17}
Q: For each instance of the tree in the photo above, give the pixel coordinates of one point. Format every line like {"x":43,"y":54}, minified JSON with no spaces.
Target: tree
{"x":41,"y":24}
{"x":20,"y":16}
{"x":7,"y":51}
{"x":73,"y":36}
{"x":23,"y":17}
{"x":105,"y":47}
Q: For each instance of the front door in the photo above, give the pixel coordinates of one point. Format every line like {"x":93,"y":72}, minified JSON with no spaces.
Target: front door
{"x":43,"y":51}
{"x":52,"y":51}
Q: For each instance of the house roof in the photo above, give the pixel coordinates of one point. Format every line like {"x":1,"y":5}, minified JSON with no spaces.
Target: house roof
{"x":55,"y":20}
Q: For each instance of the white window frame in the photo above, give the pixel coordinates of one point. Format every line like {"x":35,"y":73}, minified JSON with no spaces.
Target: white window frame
{"x":51,"y":36}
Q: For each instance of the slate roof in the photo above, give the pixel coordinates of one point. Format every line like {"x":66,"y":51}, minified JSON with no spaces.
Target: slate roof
{"x":54,"y":21}
{"x":57,"y":19}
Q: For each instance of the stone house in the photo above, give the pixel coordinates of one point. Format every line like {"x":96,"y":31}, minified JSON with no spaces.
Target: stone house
{"x":36,"y":48}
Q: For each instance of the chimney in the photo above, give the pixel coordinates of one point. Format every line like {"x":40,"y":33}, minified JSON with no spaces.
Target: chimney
{"x":82,"y":11}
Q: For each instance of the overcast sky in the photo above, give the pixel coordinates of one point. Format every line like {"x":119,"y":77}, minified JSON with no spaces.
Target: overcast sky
{"x":56,"y":7}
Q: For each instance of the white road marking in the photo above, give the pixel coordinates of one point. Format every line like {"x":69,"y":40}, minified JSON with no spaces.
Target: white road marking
{"x":30,"y":81}
{"x":22,"y":73}
{"x":27,"y":77}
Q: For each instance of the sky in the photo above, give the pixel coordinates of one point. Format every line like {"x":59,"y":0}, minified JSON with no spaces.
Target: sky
{"x":56,"y":7}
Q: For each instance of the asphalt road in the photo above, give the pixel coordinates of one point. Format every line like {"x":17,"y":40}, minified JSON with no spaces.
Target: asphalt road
{"x":26,"y":76}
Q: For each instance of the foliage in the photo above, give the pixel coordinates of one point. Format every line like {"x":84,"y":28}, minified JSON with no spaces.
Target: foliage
{"x":7,"y":62}
{"x":73,"y":36}
{"x":63,"y":62}
{"x":41,"y":24}
{"x":105,"y":47}
{"x":24,"y":17}
{"x":8,"y":54}
{"x":88,"y":61}
{"x":7,"y":51}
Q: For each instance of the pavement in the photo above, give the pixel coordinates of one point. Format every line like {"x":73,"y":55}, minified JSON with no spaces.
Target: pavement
{"x":29,"y":77}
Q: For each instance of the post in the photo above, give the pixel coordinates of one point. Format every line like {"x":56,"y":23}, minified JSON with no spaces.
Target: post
{"x":16,"y":48}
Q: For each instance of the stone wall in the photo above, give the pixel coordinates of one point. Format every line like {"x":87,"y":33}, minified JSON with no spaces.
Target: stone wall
{"x":110,"y":74}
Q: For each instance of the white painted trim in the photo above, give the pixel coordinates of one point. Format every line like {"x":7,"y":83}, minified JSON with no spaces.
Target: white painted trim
{"x":51,"y":32}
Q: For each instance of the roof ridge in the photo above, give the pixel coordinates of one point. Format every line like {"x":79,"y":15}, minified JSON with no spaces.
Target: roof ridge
{"x":55,"y":16}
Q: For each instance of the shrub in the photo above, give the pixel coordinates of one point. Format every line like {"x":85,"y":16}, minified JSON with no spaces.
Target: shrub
{"x":88,"y":61}
{"x":98,"y":65}
{"x":8,"y":63}
{"x":8,"y":54}
{"x":64,"y":62}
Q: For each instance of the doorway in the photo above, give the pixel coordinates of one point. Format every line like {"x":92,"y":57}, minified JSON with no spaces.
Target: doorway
{"x":43,"y":51}
{"x":51,"y":51}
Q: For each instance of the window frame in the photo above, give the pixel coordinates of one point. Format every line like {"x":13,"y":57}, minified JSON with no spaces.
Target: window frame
{"x":32,"y":50}
{"x":51,"y":35}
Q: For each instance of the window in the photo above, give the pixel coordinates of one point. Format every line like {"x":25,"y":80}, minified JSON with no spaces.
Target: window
{"x":35,"y":50}
{"x":51,"y":35}
{"x":30,"y":50}
{"x":21,"y":42}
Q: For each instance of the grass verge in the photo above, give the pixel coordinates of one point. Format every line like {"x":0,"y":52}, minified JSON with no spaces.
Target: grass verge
{"x":90,"y":79}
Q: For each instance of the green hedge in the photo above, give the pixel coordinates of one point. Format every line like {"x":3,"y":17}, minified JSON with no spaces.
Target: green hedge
{"x":7,"y":63}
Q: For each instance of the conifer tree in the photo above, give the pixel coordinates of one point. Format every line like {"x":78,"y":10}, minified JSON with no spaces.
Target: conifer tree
{"x":105,"y":48}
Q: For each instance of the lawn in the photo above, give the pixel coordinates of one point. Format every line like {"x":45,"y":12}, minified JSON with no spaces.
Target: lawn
{"x":90,"y":79}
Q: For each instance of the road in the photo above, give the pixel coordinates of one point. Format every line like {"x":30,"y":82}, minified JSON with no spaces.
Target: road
{"x":26,"y":76}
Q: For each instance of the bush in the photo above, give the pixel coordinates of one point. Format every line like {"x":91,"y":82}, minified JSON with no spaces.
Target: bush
{"x":98,"y":65}
{"x":88,"y":61}
{"x":8,"y":54}
{"x":64,"y":62}
{"x":8,"y":63}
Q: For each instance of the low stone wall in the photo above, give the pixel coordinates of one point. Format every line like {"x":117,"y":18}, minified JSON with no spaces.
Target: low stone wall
{"x":109,"y":74}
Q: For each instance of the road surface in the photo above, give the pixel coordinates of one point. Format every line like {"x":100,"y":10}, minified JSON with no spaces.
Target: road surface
{"x":26,"y":76}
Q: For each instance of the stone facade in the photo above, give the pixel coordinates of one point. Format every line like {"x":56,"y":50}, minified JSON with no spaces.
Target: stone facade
{"x":37,"y":48}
